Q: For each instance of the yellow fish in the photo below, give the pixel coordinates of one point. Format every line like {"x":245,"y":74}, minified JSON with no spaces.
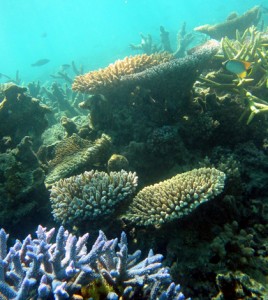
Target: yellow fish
{"x":238,"y":67}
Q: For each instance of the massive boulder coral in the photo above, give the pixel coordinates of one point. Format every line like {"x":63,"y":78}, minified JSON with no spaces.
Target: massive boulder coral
{"x":90,"y":195}
{"x":39,"y":268}
{"x":74,"y":155}
{"x":176,"y":197}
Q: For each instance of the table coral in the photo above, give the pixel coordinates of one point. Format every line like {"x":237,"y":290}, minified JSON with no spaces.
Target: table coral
{"x":176,"y":197}
{"x":67,"y":270}
{"x":161,"y":74}
{"x":96,"y":82}
{"x":90,"y":195}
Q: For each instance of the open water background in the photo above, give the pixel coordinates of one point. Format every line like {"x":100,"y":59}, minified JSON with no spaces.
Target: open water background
{"x":93,"y":33}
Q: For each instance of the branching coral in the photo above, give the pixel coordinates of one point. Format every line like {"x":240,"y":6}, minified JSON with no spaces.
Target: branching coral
{"x":250,"y":47}
{"x":239,"y":249}
{"x":176,"y":197}
{"x":96,"y":82}
{"x":238,"y":285}
{"x":90,"y":195}
{"x":233,"y":23}
{"x":38,"y":268}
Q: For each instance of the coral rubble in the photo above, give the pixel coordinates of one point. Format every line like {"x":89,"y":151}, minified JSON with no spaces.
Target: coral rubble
{"x":176,"y":197}
{"x":88,"y":196}
{"x":67,"y":270}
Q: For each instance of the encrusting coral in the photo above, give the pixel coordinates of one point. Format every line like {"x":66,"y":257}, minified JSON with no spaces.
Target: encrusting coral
{"x":96,"y":82}
{"x":176,"y":197}
{"x":38,"y":268}
{"x":90,"y":195}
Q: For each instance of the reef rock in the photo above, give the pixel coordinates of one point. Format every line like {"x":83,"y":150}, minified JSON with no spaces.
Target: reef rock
{"x":22,"y":189}
{"x":21,"y":115}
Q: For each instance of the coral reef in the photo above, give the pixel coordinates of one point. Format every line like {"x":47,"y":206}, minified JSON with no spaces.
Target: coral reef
{"x":155,"y":76}
{"x":232,"y":24}
{"x":74,"y":155}
{"x":21,"y":115}
{"x":146,"y":45}
{"x":238,"y":285}
{"x":117,"y":162}
{"x":214,"y":115}
{"x":184,"y":39}
{"x":69,"y":126}
{"x":238,"y":249}
{"x":176,"y":197}
{"x":88,"y":196}
{"x":67,"y":270}
{"x":144,"y":101}
{"x":101,"y":81}
{"x":22,"y":189}
{"x":62,"y":99}
{"x":248,"y":46}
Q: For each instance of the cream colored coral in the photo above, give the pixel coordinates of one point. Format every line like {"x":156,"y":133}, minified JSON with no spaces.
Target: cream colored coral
{"x":175,"y":197}
{"x":90,"y":195}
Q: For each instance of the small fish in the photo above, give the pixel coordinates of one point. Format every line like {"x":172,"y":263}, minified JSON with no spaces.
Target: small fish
{"x":238,"y":67}
{"x":40,"y":62}
{"x":65,"y":66}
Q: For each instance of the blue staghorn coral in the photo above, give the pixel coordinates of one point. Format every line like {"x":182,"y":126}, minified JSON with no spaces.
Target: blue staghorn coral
{"x":39,"y":269}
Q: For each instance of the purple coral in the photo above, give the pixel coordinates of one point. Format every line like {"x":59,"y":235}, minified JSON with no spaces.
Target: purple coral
{"x":38,"y":268}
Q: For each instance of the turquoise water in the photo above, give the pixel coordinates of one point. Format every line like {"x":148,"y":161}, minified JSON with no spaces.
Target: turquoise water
{"x":93,"y":33}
